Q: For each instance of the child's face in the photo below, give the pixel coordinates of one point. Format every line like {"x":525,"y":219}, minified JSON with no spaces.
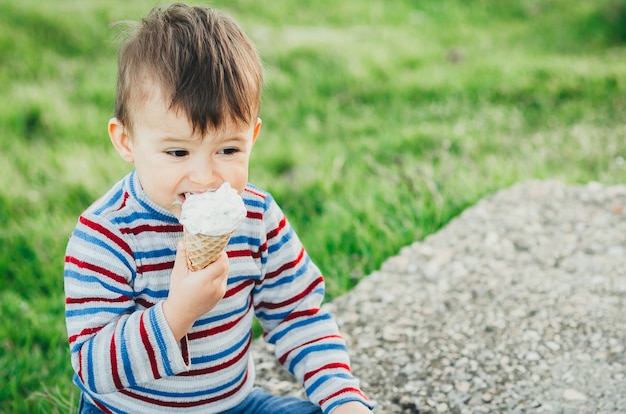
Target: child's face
{"x":172,"y":162}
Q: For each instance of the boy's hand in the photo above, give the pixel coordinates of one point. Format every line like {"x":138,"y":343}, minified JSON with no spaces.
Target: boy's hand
{"x":192,"y":294}
{"x":352,"y":407}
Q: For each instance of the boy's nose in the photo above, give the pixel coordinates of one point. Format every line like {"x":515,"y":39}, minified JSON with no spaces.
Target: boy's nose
{"x":204,"y":175}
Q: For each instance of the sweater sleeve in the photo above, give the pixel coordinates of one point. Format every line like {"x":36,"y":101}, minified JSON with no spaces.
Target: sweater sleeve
{"x":113,"y":344}
{"x":288,"y":306}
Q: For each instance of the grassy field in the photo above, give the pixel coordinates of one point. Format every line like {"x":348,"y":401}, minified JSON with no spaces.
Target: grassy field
{"x":381,"y":122}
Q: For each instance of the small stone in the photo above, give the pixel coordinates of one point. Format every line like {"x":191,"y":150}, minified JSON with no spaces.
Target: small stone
{"x":388,"y":298}
{"x":533,"y":356}
{"x":442,"y":408}
{"x":462,"y":386}
{"x":573,"y":395}
{"x":615,"y":251}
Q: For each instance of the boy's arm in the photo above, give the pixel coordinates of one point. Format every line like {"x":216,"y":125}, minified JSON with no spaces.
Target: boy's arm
{"x":307,"y":339}
{"x":113,"y":344}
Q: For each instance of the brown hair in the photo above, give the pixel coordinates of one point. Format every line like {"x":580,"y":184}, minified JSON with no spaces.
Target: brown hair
{"x":203,"y":62}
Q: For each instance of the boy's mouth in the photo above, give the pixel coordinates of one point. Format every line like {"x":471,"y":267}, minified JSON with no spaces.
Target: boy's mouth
{"x":180,"y":199}
{"x":183,"y":196}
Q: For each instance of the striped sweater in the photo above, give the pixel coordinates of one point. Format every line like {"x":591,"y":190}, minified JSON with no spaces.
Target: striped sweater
{"x":117,"y":272}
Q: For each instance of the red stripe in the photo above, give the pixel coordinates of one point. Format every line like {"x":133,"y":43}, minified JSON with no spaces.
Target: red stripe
{"x":333,"y":366}
{"x":256,"y":193}
{"x":238,"y":288}
{"x":182,"y":404}
{"x":103,"y":408}
{"x":124,"y":200}
{"x":143,"y":302}
{"x":109,"y":235}
{"x":222,"y":366}
{"x":218,"y":329}
{"x":262,"y":248}
{"x":307,"y":291}
{"x":148,"y":347}
{"x":296,"y":315}
{"x":80,"y":365}
{"x":254,"y":215}
{"x":286,"y":266}
{"x":84,"y":332}
{"x":95,"y":269}
{"x":214,"y":331}
{"x":184,"y":350}
{"x":80,"y":301}
{"x":285,"y":356}
{"x":113,"y":357}
{"x":350,"y":390}
{"x":239,"y":253}
{"x":278,"y":229}
{"x":155,"y":267}
{"x":166,"y":228}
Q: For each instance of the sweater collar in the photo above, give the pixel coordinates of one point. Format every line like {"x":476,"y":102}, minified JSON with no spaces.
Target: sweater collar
{"x":137,"y":192}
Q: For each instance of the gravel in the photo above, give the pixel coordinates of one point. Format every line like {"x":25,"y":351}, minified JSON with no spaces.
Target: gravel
{"x":518,"y":305}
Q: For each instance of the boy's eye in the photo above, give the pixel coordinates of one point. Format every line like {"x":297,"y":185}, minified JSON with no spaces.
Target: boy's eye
{"x":229,"y":151}
{"x":178,"y":153}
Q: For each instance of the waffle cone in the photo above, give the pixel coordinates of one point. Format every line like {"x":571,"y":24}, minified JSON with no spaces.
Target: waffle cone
{"x":202,"y":250}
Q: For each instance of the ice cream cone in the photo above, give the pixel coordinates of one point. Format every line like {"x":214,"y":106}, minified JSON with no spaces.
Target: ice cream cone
{"x":209,"y":220}
{"x":202,"y":249}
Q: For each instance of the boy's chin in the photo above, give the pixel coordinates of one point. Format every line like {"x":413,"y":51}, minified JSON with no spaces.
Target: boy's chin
{"x":176,"y":208}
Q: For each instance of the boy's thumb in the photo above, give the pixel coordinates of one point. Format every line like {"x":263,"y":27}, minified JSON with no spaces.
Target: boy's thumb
{"x":180,"y":263}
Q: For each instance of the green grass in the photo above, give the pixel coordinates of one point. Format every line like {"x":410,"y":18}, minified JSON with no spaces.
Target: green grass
{"x":381,"y":122}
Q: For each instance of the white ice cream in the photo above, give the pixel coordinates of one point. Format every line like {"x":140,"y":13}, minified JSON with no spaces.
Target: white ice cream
{"x":213,"y":213}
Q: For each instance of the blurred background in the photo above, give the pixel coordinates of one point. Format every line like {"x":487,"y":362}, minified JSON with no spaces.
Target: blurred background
{"x":382,"y":121}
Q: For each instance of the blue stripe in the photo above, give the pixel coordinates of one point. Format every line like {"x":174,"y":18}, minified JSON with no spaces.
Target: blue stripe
{"x":101,"y":243}
{"x":84,"y":389}
{"x":272,"y":317}
{"x":93,"y":310}
{"x":315,"y":348}
{"x":313,"y":387}
{"x":148,"y":216}
{"x":283,"y":280}
{"x":299,"y":324}
{"x":220,"y":317}
{"x":112,"y":201}
{"x":341,"y":401}
{"x":217,"y":390}
{"x":254,"y":203}
{"x":281,"y":242}
{"x":156,"y":329}
{"x":224,"y":353}
{"x":90,"y":374}
{"x":95,"y":279}
{"x":154,"y":294}
{"x":154,"y":254}
{"x":246,"y":240}
{"x":125,"y":358}
{"x":243,"y":278}
{"x":300,"y":270}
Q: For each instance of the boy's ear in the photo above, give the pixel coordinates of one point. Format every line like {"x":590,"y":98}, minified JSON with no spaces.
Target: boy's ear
{"x":120,"y":140}
{"x":257,"y":129}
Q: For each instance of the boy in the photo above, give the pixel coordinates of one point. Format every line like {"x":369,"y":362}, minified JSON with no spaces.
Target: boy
{"x":146,"y":334}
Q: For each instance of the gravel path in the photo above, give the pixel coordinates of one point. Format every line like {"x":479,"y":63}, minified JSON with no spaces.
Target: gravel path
{"x":518,"y":305}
